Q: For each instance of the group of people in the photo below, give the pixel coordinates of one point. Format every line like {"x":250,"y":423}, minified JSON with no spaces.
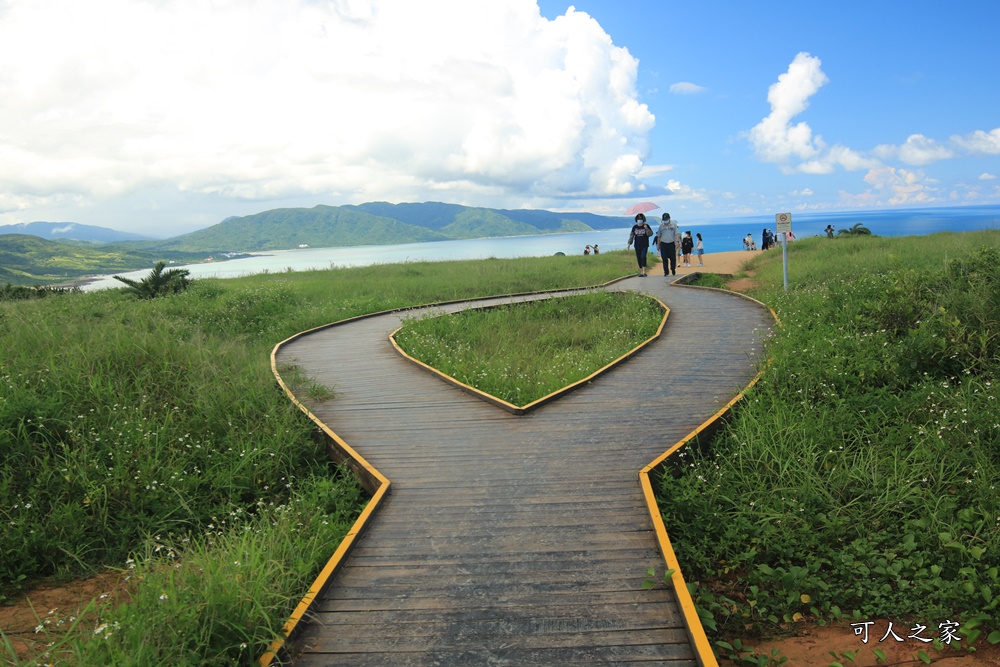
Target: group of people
{"x":670,"y":242}
{"x":768,"y":239}
{"x":587,"y":250}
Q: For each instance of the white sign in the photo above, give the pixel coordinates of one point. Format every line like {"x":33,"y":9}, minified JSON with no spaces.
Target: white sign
{"x":783,"y":222}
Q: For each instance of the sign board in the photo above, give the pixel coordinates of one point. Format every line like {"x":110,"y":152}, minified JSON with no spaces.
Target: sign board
{"x":783,"y":223}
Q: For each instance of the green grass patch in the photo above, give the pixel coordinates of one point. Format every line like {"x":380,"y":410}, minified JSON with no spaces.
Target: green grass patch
{"x":522,"y":352}
{"x":709,"y":280}
{"x":859,"y":477}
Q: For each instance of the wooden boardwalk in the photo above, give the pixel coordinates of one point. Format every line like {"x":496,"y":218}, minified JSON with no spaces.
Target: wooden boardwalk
{"x":515,"y":540}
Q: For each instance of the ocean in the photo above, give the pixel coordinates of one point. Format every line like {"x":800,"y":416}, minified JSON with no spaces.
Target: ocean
{"x":719,"y":235}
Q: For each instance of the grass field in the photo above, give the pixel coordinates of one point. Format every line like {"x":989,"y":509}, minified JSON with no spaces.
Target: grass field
{"x":149,"y":437}
{"x":860,"y":478}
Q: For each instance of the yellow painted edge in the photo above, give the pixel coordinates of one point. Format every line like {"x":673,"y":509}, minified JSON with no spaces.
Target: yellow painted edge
{"x":692,"y":622}
{"x":323,"y":578}
{"x":359,"y":526}
{"x":538,"y":402}
{"x":696,"y":633}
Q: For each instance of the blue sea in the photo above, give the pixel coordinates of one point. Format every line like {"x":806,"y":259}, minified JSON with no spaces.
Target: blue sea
{"x":719,"y":235}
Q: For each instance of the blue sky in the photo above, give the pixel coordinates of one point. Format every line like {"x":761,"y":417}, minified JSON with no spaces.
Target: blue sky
{"x":165,"y":116}
{"x":913,"y":74}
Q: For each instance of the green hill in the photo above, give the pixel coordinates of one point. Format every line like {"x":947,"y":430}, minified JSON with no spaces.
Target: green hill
{"x":372,"y":224}
{"x":286,"y":228}
{"x":30,"y":260}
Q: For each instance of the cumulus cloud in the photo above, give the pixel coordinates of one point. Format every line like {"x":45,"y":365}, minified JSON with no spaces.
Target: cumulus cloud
{"x":986,"y":176}
{"x":356,"y":100}
{"x":775,"y":139}
{"x":778,"y":139}
{"x":680,"y":191}
{"x":686,"y":88}
{"x":837,"y":156}
{"x":901,"y":186}
{"x":917,"y":150}
{"x":980,"y":142}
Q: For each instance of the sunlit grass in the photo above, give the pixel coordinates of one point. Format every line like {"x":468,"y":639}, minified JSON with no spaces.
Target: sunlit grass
{"x":131,"y":430}
{"x":860,"y":475}
{"x":522,"y":352}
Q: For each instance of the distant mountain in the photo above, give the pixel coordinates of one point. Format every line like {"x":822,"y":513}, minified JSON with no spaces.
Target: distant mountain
{"x":46,"y":252}
{"x":71,"y":231}
{"x":373,"y":224}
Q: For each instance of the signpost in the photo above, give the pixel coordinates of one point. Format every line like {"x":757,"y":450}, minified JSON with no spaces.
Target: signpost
{"x":783,"y":227}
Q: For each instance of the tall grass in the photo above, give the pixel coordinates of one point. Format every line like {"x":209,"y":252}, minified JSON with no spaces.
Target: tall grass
{"x":522,"y":352}
{"x":150,"y":434}
{"x":861,"y":475}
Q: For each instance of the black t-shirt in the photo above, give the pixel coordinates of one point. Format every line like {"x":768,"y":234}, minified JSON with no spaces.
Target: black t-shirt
{"x":640,"y":234}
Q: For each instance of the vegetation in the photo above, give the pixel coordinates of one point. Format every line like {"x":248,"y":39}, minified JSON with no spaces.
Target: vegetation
{"x":147,"y":436}
{"x":857,"y":229}
{"x":497,"y":350}
{"x":27,"y":260}
{"x":17,"y":292}
{"x":709,"y":280}
{"x":158,"y":282}
{"x":859,"y":477}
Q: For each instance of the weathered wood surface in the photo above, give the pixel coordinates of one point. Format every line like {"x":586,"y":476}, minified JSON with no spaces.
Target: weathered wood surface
{"x":516,"y":540}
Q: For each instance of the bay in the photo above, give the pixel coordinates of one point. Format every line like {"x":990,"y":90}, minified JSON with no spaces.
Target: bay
{"x":720,"y":235}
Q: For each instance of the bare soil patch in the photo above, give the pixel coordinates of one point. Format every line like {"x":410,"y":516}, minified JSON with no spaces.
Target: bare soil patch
{"x":812,"y":644}
{"x":55,"y":607}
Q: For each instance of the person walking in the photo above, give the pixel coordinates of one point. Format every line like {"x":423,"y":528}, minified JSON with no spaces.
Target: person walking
{"x":687,"y":245}
{"x":640,"y":235}
{"x":666,"y":239}
{"x":700,"y":248}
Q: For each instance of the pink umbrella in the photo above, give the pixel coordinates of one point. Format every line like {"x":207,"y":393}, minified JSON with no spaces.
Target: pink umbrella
{"x":641,"y":207}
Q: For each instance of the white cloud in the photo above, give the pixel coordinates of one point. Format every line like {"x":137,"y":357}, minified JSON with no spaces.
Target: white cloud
{"x":686,"y":88}
{"x":804,"y":192}
{"x":980,"y":142}
{"x":901,"y":186}
{"x":359,"y":100}
{"x":837,"y":156}
{"x":681,"y":192}
{"x":918,"y":150}
{"x":653,"y":170}
{"x":986,"y":176}
{"x":775,"y":139}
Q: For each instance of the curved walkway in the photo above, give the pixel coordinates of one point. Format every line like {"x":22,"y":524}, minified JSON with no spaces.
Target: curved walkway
{"x":515,"y":540}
